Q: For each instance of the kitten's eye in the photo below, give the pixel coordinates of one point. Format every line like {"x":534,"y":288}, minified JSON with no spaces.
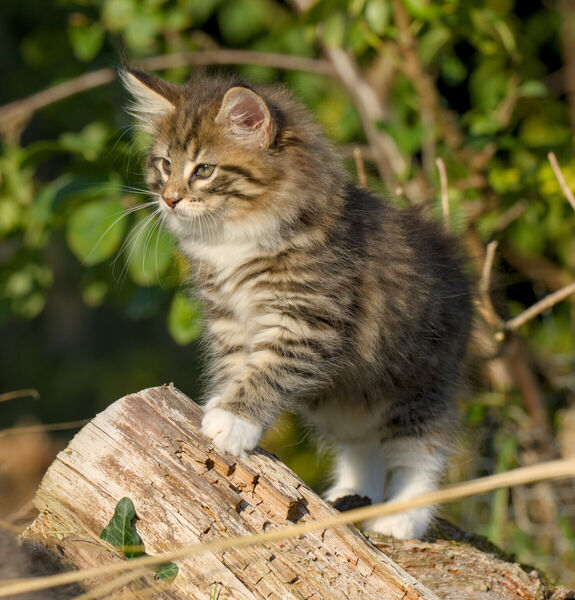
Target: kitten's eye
{"x":204,"y":171}
{"x":166,"y":165}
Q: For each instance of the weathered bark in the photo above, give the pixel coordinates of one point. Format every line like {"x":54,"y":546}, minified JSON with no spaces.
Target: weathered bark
{"x":146,"y":446}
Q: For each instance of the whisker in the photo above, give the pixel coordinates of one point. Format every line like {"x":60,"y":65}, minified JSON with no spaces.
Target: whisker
{"x":130,"y":243}
{"x":123,"y":213}
{"x":147,"y":241}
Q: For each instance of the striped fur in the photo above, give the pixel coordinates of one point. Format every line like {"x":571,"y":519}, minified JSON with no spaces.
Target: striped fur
{"x":318,"y":296}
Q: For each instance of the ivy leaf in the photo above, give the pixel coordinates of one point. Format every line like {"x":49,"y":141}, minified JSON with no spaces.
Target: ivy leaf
{"x":167,"y":571}
{"x":121,"y":530}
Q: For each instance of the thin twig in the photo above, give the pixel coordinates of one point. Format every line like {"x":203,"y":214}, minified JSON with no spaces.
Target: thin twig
{"x":44,"y":427}
{"x":360,"y":167}
{"x":25,"y":107}
{"x":547,"y":471}
{"x":485,"y":283}
{"x":19,"y":394}
{"x":485,"y":305}
{"x":509,"y":216}
{"x":444,"y":192}
{"x":539,"y":307}
{"x":559,"y":175}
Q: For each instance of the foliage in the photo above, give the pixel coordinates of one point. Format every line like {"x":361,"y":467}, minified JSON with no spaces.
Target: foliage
{"x":121,"y":532}
{"x":90,"y":283}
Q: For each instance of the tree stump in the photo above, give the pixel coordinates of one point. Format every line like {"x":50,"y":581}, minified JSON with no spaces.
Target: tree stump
{"x":147,"y":447}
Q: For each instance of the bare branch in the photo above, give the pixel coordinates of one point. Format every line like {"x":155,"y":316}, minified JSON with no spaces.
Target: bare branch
{"x":21,"y":109}
{"x":559,"y":175}
{"x":45,"y":427}
{"x":539,"y":307}
{"x":444,"y":192}
{"x":360,"y":167}
{"x":387,"y":157}
{"x":19,"y":394}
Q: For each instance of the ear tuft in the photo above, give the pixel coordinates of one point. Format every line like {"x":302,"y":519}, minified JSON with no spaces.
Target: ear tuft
{"x":152,"y":96}
{"x":247,"y":115}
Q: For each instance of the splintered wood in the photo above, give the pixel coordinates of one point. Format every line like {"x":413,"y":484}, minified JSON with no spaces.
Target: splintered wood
{"x":147,"y":447}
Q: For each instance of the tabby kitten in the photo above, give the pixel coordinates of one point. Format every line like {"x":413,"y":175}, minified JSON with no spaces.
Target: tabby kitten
{"x":318,"y":296}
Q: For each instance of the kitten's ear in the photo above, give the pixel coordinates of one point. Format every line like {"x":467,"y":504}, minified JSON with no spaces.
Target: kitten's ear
{"x":152,"y":96}
{"x":247,"y":115}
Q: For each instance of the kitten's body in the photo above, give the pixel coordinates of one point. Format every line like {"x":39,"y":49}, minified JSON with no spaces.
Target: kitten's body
{"x":317,"y":295}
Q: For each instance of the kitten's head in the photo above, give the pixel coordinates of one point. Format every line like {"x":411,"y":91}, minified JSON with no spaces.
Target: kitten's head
{"x":228,"y":154}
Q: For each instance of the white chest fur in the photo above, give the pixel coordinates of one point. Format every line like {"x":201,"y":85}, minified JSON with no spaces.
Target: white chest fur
{"x":224,"y":260}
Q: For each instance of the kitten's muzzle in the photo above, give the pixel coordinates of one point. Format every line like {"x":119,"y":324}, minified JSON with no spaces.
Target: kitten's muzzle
{"x":171,"y":199}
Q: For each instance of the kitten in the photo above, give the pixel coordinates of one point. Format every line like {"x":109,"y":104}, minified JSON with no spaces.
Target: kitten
{"x":318,"y":296}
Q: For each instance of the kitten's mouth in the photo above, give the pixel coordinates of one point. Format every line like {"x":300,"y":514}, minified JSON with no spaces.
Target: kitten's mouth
{"x":189,"y":206}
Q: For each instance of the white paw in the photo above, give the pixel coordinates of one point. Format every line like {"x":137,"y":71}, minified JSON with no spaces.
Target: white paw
{"x":230,"y":433}
{"x":404,"y":526}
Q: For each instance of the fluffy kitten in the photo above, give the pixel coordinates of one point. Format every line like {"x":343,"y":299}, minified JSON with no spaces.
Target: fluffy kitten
{"x":318,"y":296}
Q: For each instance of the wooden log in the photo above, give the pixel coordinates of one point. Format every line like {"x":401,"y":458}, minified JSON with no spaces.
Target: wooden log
{"x":147,"y":447}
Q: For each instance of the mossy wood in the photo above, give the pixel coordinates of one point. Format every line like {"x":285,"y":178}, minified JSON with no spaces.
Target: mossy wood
{"x":147,"y":447}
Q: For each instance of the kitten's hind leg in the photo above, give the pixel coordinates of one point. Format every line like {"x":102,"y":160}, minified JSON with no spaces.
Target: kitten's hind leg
{"x":359,"y":470}
{"x":416,"y":466}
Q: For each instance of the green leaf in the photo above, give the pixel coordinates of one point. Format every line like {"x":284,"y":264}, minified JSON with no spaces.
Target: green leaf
{"x":95,"y":230}
{"x":142,"y":31}
{"x":184,"y":319}
{"x":89,"y":142}
{"x":118,"y":14}
{"x":149,"y":253}
{"x":532,"y":89}
{"x":167,"y":571}
{"x":240,"y":21}
{"x":377,"y":15}
{"x":335,"y":29}
{"x":86,"y":40}
{"x":121,"y":530}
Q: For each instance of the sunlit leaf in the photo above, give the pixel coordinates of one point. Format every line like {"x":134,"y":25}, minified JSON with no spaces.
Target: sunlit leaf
{"x":89,"y":142}
{"x":149,"y":252}
{"x":86,"y":40}
{"x":184,"y":319}
{"x":95,"y":230}
{"x":377,"y":15}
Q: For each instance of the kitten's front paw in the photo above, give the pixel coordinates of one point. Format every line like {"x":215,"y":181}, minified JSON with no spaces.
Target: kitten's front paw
{"x":404,"y":526}
{"x":230,"y":433}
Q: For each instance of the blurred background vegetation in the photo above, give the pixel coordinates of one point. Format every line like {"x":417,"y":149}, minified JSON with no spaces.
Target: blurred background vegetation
{"x":91,"y":299}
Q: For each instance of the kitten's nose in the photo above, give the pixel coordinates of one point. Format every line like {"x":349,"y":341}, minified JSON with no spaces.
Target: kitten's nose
{"x":171,"y":199}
